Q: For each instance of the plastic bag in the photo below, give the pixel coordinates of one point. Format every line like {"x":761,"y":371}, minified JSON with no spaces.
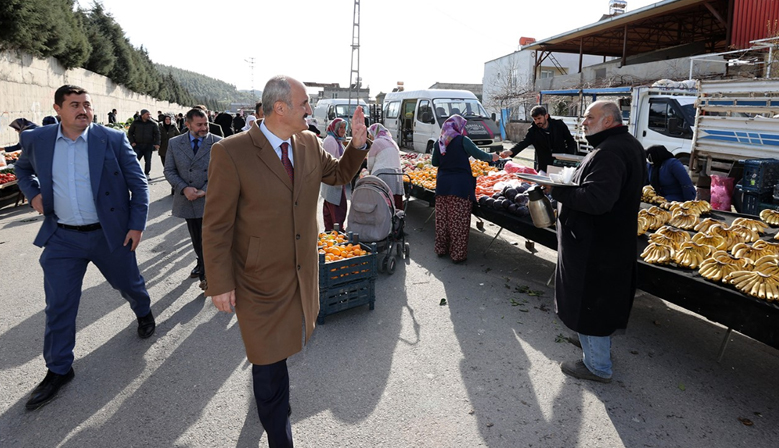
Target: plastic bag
{"x":513,"y":167}
{"x":721,"y":192}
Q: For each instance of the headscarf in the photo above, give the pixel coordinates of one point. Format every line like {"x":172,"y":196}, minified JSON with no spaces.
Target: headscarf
{"x":169,"y":125}
{"x":49,"y":120}
{"x":657,"y":155}
{"x":333,"y":126}
{"x":20,"y":124}
{"x":249,"y":120}
{"x":377,"y":130}
{"x":453,"y":126}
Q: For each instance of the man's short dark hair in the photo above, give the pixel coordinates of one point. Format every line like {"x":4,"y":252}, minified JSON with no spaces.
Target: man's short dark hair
{"x":257,"y":107}
{"x":538,"y":111}
{"x":196,"y":112}
{"x":67,"y":89}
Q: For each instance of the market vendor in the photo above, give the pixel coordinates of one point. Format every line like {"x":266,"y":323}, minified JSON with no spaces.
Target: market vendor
{"x":455,"y":188}
{"x":19,"y":125}
{"x":595,"y":280}
{"x":667,"y":175}
{"x":548,"y":136}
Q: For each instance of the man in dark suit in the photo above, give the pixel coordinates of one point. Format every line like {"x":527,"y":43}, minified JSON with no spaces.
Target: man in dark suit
{"x":87,"y":183}
{"x":186,"y":168}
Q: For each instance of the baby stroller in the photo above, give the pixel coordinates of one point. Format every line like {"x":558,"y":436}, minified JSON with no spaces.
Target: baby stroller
{"x":373,"y":216}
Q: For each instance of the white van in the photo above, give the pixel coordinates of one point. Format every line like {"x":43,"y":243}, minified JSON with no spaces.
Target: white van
{"x":414,"y":118}
{"x":328,"y":109}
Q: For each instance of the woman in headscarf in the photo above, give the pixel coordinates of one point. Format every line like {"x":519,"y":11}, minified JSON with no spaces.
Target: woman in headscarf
{"x":455,"y":188}
{"x":249,"y":121}
{"x":168,"y":130}
{"x":19,"y":125}
{"x":384,"y":161}
{"x":334,"y":208}
{"x":667,"y":175}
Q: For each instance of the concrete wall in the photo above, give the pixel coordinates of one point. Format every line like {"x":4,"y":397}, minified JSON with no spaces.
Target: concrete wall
{"x":612,"y":74}
{"x":27,"y":87}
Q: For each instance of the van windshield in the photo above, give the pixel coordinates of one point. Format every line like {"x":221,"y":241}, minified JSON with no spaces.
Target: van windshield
{"x":445,"y":108}
{"x":345,"y":110}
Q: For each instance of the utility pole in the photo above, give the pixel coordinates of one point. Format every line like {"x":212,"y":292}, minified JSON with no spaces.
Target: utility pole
{"x":354,"y":75}
{"x":251,"y":65}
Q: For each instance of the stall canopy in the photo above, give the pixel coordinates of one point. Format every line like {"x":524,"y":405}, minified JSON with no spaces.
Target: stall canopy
{"x":662,"y":25}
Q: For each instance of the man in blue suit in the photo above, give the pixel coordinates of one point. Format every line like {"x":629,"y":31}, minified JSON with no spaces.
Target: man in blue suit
{"x":87,"y":183}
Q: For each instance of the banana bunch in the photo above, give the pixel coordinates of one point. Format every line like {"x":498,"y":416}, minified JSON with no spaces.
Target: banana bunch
{"x":734,"y":235}
{"x":704,"y":225}
{"x":745,"y":233}
{"x":691,"y":255}
{"x":662,"y":239}
{"x":683,"y":220}
{"x":769,"y":216}
{"x":686,"y":208}
{"x":744,"y":250}
{"x":649,"y":196}
{"x":768,"y":264}
{"x":757,"y":226}
{"x":755,"y":283}
{"x":708,"y":239}
{"x":766,"y":246}
{"x":676,"y":236}
{"x":643,"y":225}
{"x":698,"y":207}
{"x":656,"y":253}
{"x":656,"y":218}
{"x":720,"y":264}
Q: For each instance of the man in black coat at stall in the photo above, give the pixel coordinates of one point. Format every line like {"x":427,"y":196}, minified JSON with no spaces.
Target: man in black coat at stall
{"x":548,"y":136}
{"x":596,"y":240}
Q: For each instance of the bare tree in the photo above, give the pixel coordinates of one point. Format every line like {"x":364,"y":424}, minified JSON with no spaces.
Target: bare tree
{"x":510,"y":89}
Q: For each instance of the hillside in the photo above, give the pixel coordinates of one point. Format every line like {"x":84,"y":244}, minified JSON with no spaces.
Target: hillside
{"x":215,"y":93}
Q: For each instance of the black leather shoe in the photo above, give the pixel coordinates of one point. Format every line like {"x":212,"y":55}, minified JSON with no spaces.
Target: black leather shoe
{"x":47,"y":389}
{"x":197,"y":272}
{"x":146,"y":326}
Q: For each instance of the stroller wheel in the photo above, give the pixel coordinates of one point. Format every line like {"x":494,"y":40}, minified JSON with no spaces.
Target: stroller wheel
{"x":391,"y":266}
{"x":406,"y":249}
{"x":383,"y":264}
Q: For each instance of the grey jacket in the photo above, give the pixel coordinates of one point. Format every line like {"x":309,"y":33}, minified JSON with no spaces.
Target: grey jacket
{"x":185,"y":169}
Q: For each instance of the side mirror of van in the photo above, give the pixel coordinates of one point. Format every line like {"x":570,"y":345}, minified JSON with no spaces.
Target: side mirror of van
{"x":493,"y":116}
{"x":427,"y":117}
{"x":331,"y":116}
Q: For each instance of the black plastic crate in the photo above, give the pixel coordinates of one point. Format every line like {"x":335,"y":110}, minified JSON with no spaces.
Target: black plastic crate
{"x":348,"y":270}
{"x":346,"y":296}
{"x":752,"y":201}
{"x":760,"y":175}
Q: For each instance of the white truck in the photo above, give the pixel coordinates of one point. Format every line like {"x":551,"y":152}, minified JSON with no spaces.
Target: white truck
{"x":735,"y":120}
{"x":661,"y":114}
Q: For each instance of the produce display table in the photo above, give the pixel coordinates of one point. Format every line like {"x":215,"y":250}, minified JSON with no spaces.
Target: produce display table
{"x":10,"y":193}
{"x":717,"y":302}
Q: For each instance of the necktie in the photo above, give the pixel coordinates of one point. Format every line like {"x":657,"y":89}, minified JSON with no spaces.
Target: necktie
{"x":195,"y":144}
{"x":285,"y":161}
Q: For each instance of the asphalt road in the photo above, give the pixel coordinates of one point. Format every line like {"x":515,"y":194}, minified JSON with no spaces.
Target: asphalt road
{"x":481,"y":370}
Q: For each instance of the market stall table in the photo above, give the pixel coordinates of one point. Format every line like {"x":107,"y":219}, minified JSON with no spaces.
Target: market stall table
{"x":717,"y":302}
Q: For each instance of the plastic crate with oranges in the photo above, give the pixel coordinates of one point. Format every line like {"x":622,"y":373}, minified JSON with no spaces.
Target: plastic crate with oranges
{"x":342,"y":260}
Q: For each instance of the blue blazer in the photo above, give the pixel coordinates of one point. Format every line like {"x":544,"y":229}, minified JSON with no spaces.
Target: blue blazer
{"x":118,"y":184}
